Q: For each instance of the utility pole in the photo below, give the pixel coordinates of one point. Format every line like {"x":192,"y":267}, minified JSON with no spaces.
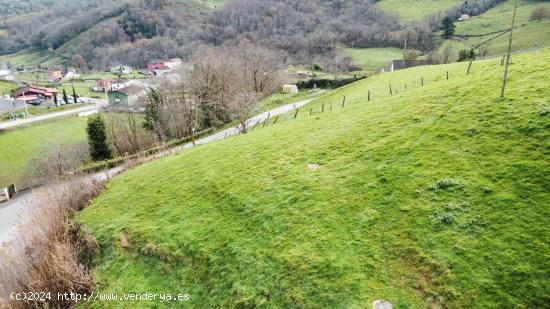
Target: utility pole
{"x":509,"y":50}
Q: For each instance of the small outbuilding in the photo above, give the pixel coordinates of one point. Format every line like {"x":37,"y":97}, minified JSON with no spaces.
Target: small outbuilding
{"x":464,"y":17}
{"x":290,"y":89}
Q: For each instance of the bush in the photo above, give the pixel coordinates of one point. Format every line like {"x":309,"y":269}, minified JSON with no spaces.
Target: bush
{"x":539,"y":13}
{"x":445,"y":184}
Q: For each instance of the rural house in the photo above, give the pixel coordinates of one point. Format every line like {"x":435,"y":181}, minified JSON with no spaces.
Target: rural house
{"x":156,"y":68}
{"x":125,"y":96}
{"x":160,"y":67}
{"x":40,"y":92}
{"x":119,"y":84}
{"x":121,"y":69}
{"x":70,"y":73}
{"x":55,"y":77}
{"x":103,"y":85}
{"x":6,"y":75}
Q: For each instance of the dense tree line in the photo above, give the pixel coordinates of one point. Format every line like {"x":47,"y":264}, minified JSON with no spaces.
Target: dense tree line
{"x":134,"y":32}
{"x":302,"y":28}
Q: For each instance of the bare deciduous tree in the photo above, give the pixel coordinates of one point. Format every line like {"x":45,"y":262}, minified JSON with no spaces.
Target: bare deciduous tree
{"x":540,"y":12}
{"x":242,"y":107}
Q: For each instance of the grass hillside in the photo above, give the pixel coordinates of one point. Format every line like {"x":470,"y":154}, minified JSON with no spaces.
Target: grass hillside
{"x":409,"y":10}
{"x":370,"y":59}
{"x":486,"y":27}
{"x":436,"y":196}
{"x":19,"y":146}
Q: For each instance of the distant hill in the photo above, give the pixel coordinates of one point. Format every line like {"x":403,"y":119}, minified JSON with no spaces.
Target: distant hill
{"x":104,"y":32}
{"x":433,"y":197}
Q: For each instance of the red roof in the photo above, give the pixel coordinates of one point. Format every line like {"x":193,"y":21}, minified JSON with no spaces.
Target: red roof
{"x":28,"y":98}
{"x":36,"y":90}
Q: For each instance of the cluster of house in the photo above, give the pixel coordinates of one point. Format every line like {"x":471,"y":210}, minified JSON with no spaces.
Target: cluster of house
{"x":122,"y":92}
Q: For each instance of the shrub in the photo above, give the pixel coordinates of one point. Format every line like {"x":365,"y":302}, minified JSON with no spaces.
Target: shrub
{"x":97,"y":139}
{"x":445,"y":184}
{"x":539,"y":13}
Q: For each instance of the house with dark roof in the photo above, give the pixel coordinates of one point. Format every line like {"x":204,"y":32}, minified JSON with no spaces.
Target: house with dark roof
{"x":126,"y":96}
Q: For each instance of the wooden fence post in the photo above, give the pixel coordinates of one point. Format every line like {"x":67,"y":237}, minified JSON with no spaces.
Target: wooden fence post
{"x":323,"y":108}
{"x":311,"y":111}
{"x":391,"y":91}
{"x":469,"y":67}
{"x":344,"y":102}
{"x":257,"y":123}
{"x":368,"y":99}
{"x":447,"y":74}
{"x":266,"y":122}
{"x":422,"y":81}
{"x":296,"y":114}
{"x":276,"y":118}
{"x":502,"y":60}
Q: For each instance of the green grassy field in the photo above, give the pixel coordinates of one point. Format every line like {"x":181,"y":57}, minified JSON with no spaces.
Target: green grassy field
{"x":102,"y":75}
{"x":6,"y":87}
{"x":409,"y":10}
{"x":19,"y":146}
{"x":81,"y":89}
{"x":370,"y":59}
{"x":527,"y":35}
{"x":213,"y":3}
{"x":25,"y":58}
{"x":498,"y":18}
{"x":280,"y":99}
{"x":41,"y":110}
{"x":434,"y":197}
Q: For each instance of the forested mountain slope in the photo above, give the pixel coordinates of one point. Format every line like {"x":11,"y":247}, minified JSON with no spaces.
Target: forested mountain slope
{"x":105,"y":32}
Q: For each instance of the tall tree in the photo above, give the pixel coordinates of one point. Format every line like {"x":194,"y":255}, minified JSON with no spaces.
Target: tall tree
{"x":65,"y":98}
{"x":97,"y":139}
{"x":79,"y":62}
{"x":448,"y":28}
{"x":509,"y":50}
{"x":75,"y":97}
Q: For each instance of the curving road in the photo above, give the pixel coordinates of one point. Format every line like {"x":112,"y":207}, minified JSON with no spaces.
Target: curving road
{"x":16,"y":210}
{"x":14,"y":123}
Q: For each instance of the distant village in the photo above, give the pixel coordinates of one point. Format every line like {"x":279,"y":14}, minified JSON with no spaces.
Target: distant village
{"x":120,"y":88}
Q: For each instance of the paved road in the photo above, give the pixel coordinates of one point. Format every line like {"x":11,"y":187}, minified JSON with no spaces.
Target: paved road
{"x":14,"y":123}
{"x":6,"y":105}
{"x":16,"y":210}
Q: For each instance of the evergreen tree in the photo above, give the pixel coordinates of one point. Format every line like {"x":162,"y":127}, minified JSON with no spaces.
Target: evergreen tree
{"x":472,"y":54}
{"x":74,"y":96}
{"x":65,"y":98}
{"x":448,"y":28}
{"x":97,"y":139}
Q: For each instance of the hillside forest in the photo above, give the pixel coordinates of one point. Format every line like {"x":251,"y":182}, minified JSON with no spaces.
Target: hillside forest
{"x":108,"y":32}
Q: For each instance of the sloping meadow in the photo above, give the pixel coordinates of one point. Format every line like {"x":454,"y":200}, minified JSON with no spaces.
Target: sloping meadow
{"x":433,"y":196}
